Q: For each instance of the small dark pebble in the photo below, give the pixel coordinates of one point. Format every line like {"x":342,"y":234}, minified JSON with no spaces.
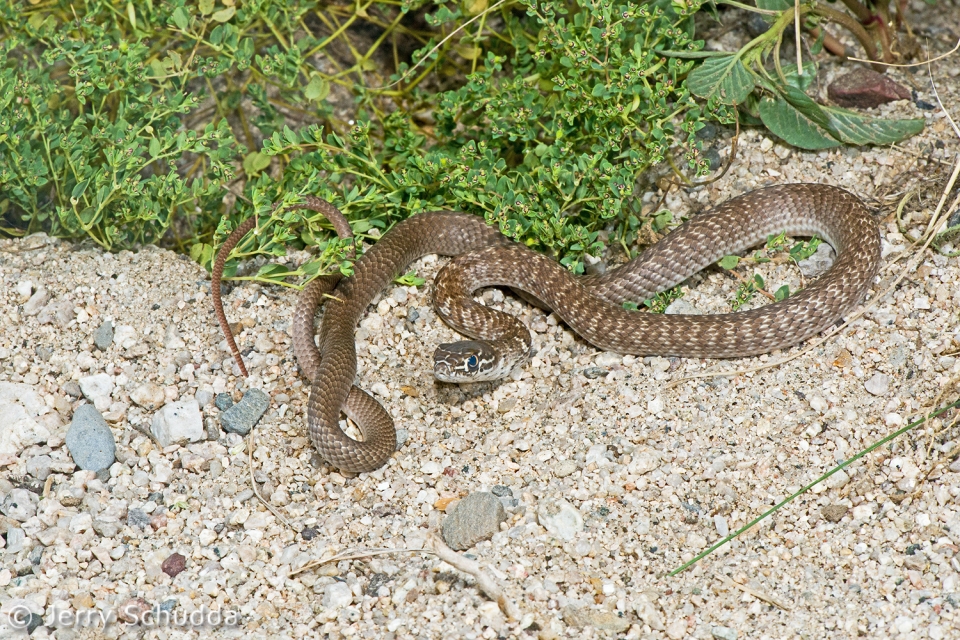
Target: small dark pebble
{"x":35,"y":621}
{"x":309,"y":533}
{"x":174,"y":564}
{"x":412,"y":315}
{"x":155,"y":306}
{"x":44,"y":353}
{"x":137,"y":518}
{"x":502,"y":491}
{"x":168,"y":605}
{"x":377,"y":580}
{"x":833,"y":512}
{"x":35,"y":555}
{"x":72,"y":389}
{"x":156,"y":496}
{"x":103,"y":336}
{"x":223,"y":401}
{"x":595,"y":372}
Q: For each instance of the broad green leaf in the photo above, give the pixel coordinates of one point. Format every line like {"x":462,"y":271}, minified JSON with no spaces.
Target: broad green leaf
{"x":774,"y":5}
{"x":255,"y":162}
{"x":180,"y":18}
{"x":317,"y":90}
{"x":729,"y":262}
{"x":154,"y":147}
{"x":224,"y":14}
{"x":726,"y":78}
{"x":855,"y":128}
{"x":206,"y":7}
{"x":290,"y":135}
{"x":782,"y":293}
{"x":273,"y":271}
{"x":787,"y":122}
{"x":79,"y":189}
{"x":800,"y":82}
{"x":201,"y":253}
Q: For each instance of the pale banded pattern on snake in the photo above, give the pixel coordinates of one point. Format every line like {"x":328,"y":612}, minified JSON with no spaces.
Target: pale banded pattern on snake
{"x":591,"y":306}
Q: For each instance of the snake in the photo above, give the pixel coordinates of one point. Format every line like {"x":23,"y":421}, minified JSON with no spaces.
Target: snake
{"x":591,"y":305}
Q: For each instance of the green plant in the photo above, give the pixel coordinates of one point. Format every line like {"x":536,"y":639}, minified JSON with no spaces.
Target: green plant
{"x":777,"y":97}
{"x":540,"y":115}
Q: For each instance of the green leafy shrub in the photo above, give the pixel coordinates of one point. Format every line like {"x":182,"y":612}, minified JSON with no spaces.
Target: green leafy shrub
{"x":126,"y":123}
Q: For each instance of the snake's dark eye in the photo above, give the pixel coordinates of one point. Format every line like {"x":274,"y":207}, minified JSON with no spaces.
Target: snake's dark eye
{"x":472,"y":363}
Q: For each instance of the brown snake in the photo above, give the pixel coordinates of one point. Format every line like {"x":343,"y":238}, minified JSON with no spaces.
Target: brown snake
{"x":591,"y":306}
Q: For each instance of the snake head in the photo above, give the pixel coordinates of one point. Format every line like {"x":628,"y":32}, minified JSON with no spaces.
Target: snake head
{"x":466,"y":361}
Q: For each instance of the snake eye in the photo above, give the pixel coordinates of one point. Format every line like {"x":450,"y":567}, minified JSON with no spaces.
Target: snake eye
{"x":472,"y":363}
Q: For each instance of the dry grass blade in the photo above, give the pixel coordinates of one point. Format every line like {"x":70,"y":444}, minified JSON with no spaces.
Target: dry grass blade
{"x":753,"y":592}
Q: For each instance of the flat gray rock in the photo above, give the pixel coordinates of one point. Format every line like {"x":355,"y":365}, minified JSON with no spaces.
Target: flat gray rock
{"x":244,"y":416}
{"x":103,"y":336}
{"x":477,"y":517}
{"x":90,"y":440}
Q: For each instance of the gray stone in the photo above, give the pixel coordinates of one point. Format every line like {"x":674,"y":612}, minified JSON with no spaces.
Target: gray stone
{"x":402,"y":436}
{"x":39,"y":466}
{"x":98,"y":389}
{"x":90,"y":440}
{"x":137,"y":518}
{"x":15,"y":538}
{"x":723,"y":633}
{"x":682,"y":307}
{"x":178,"y":423}
{"x":560,"y":518}
{"x":244,"y":416}
{"x":72,"y":389}
{"x":103,"y":336}
{"x":819,"y":262}
{"x":203,"y":397}
{"x":20,"y":504}
{"x":878,"y":384}
{"x":223,"y":401}
{"x":477,"y":517}
{"x":592,"y":373}
{"x":580,"y":617}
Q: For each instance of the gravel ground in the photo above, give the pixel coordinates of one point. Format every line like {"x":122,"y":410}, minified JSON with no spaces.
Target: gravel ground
{"x":608,"y":476}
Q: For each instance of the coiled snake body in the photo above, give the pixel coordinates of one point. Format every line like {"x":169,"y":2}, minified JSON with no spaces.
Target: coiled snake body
{"x":591,"y":306}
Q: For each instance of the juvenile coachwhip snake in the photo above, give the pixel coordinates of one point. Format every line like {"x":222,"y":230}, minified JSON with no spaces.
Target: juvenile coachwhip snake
{"x":591,"y":306}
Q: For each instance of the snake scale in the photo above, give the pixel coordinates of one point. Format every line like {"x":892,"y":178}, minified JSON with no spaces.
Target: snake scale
{"x":590,"y":305}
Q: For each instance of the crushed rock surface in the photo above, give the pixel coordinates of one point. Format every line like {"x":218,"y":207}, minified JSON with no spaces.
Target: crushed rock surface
{"x":656,"y":472}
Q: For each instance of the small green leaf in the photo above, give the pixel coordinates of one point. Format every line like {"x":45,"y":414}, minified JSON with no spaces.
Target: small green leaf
{"x":180,"y":18}
{"x":273,"y":271}
{"x":290,"y":135}
{"x":729,"y":262}
{"x":410,"y":279}
{"x":317,"y":89}
{"x":202,"y":254}
{"x":155,"y":147}
{"x":79,"y":189}
{"x":255,"y":162}
{"x":782,"y":293}
{"x":722,"y":77}
{"x":224,"y":14}
{"x":206,"y":7}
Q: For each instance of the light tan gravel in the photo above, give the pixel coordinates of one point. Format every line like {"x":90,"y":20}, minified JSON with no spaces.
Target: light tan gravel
{"x":657,"y":473}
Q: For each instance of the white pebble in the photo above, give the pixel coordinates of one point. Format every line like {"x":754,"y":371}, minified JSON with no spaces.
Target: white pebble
{"x":878,"y":384}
